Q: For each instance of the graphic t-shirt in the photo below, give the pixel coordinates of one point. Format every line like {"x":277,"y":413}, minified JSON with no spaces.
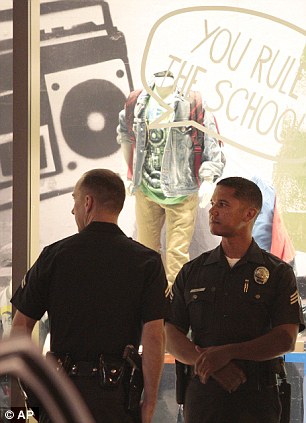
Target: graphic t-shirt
{"x":155,"y":146}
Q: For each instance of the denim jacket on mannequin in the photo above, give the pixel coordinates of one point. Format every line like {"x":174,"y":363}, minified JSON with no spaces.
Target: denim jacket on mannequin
{"x":177,"y":171}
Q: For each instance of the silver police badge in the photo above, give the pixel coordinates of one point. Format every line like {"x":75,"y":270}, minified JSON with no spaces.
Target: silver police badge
{"x":261,"y":275}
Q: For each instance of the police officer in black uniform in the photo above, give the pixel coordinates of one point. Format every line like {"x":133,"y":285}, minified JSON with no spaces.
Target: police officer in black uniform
{"x":102,"y":291}
{"x":243,"y":308}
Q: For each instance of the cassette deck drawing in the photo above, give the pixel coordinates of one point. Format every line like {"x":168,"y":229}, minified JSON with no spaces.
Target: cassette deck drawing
{"x":85,"y":80}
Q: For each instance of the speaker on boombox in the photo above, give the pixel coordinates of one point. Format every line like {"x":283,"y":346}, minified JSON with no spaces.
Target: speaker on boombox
{"x":85,"y":79}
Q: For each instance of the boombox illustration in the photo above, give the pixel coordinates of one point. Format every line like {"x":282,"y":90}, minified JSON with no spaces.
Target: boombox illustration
{"x":85,"y":79}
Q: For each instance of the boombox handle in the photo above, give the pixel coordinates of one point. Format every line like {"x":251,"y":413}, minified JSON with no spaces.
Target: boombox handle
{"x":59,"y":6}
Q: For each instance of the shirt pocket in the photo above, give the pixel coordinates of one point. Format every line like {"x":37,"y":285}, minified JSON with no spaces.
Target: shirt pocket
{"x":254,"y":314}
{"x":201,"y":308}
{"x":182,"y":143}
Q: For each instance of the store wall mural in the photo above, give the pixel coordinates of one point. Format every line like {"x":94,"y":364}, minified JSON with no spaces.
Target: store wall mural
{"x":248,"y":64}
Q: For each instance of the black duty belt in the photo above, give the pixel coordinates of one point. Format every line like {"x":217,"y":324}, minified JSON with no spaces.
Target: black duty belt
{"x":88,"y":368}
{"x":259,"y":375}
{"x":74,"y":368}
{"x":83,"y":368}
{"x":112,"y":372}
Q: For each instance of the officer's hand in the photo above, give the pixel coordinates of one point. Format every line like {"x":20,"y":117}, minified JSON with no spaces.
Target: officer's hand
{"x":210,"y":361}
{"x":205,"y":192}
{"x":230,"y":377}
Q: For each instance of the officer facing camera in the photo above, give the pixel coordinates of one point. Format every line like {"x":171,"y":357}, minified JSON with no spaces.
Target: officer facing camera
{"x":242,"y":307}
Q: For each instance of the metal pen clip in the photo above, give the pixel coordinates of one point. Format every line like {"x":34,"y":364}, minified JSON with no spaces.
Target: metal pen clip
{"x":246,"y":285}
{"x":197,"y":290}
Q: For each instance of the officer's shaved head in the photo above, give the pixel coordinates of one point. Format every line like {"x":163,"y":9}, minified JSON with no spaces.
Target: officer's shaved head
{"x":106,"y":187}
{"x":244,"y":190}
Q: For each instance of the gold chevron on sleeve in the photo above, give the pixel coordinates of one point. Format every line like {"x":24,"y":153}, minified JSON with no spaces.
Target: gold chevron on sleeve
{"x":294,"y":298}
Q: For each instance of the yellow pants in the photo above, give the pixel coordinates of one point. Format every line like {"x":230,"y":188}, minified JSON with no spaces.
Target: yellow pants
{"x":180,"y":221}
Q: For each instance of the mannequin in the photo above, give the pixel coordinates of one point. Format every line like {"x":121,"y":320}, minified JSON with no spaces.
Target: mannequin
{"x":164,"y":86}
{"x":164,"y":181}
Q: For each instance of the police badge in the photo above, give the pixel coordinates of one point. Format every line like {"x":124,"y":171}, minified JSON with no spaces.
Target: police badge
{"x":261,"y":275}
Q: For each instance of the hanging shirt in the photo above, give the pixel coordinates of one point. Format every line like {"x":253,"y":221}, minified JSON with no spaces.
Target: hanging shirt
{"x":156,"y":142}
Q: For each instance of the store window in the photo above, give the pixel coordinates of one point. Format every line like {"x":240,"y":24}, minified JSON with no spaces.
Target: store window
{"x":93,"y":55}
{"x":250,"y":68}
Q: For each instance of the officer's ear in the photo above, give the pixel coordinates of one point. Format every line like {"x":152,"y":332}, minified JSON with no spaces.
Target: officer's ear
{"x":88,"y":202}
{"x":251,"y":214}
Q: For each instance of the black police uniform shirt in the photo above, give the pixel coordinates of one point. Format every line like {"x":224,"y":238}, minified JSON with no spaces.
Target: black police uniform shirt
{"x":225,"y":305}
{"x":99,"y":287}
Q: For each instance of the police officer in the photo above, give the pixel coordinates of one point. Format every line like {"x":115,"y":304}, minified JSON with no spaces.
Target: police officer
{"x":102,"y":291}
{"x":242,"y":306}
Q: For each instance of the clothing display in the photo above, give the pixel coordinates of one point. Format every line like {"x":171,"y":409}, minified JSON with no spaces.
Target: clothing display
{"x":164,"y":169}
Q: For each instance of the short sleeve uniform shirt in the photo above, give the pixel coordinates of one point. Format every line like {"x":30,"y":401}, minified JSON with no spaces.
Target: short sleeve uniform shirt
{"x":225,"y":305}
{"x":99,"y":287}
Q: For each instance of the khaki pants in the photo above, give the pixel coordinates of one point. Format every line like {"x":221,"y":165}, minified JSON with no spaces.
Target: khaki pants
{"x":180,"y":221}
